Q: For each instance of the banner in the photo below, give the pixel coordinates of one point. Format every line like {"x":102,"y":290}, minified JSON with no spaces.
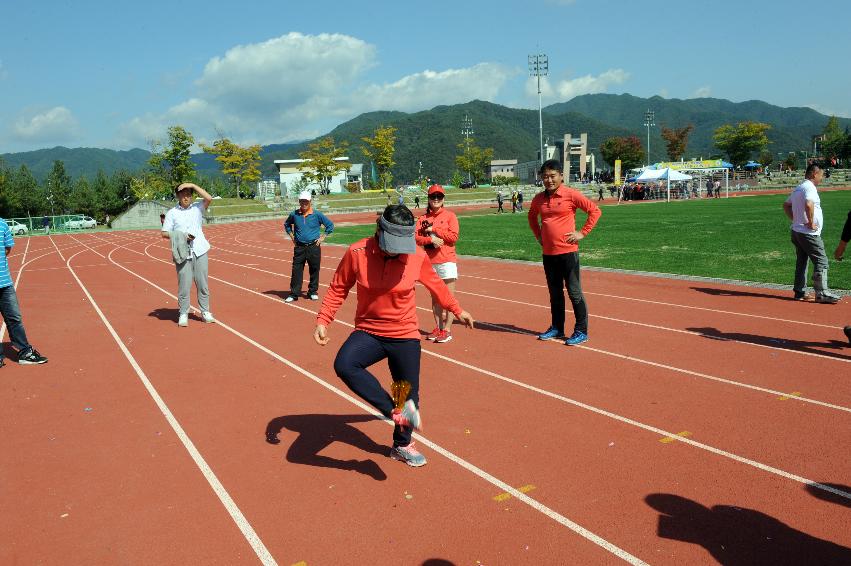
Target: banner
{"x":617,"y":172}
{"x":694,"y":164}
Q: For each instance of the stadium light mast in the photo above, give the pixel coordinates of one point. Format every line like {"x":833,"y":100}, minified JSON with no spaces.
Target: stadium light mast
{"x":649,"y":118}
{"x":539,"y":67}
{"x":467,"y":131}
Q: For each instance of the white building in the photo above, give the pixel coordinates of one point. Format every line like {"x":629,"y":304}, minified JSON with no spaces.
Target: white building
{"x":266,"y":189}
{"x":289,"y":174}
{"x":502,"y":167}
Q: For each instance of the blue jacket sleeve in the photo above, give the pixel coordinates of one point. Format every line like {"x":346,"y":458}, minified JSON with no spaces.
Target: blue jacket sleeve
{"x":325,"y":221}
{"x":288,"y":224}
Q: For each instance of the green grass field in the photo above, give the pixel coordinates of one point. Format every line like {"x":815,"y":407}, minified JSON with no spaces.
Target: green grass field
{"x":744,"y":238}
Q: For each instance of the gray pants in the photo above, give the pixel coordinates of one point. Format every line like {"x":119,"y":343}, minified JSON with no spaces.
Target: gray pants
{"x":810,"y":247}
{"x":192,"y":269}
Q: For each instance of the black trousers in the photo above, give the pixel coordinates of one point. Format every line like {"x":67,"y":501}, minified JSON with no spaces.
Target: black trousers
{"x":563,"y":269}
{"x":312,"y":255}
{"x":362,"y":350}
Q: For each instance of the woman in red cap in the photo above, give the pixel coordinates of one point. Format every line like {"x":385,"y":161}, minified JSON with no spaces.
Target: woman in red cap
{"x":437,"y":232}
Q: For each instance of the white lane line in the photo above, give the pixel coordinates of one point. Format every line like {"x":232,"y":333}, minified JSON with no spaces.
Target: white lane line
{"x":663,"y":303}
{"x":597,"y":350}
{"x":580,"y":404}
{"x":668,"y":329}
{"x":533,"y":503}
{"x":242,"y":523}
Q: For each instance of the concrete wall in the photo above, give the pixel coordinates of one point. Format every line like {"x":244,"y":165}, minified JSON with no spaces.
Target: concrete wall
{"x":143,"y":214}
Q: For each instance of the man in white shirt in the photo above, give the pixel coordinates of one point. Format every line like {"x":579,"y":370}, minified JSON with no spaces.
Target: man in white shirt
{"x":184,"y":221}
{"x":803,"y":207}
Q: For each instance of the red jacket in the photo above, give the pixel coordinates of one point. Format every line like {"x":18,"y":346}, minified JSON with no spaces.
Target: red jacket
{"x":558,"y":218}
{"x":445,"y":226}
{"x":385,"y":286}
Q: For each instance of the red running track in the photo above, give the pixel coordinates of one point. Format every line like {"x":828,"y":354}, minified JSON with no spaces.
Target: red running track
{"x":700,"y":423}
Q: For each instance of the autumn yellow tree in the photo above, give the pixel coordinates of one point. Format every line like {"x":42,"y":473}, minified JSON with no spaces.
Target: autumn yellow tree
{"x":321,"y":162}
{"x":240,"y":164}
{"x":380,"y":149}
{"x":676,"y":141}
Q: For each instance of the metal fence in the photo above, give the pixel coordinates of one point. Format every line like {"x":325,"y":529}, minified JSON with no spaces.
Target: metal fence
{"x":50,"y":224}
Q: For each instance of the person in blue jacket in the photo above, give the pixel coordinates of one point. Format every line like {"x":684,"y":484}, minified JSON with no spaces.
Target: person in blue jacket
{"x":302,"y":226}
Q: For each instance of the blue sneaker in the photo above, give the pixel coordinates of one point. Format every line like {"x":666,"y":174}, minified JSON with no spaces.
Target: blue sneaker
{"x":576,"y":338}
{"x":551,"y":332}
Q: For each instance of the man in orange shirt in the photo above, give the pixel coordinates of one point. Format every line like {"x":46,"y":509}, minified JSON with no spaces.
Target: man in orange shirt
{"x":385,"y":268}
{"x":556,"y":232}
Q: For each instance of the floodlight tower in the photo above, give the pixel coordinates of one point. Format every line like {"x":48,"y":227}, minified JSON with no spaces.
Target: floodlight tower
{"x":649,"y":118}
{"x":539,"y":67}
{"x":467,"y":131}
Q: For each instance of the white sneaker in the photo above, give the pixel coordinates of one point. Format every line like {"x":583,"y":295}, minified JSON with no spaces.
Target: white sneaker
{"x":208,"y":317}
{"x":314,"y":297}
{"x":290,"y":299}
{"x":183,"y":320}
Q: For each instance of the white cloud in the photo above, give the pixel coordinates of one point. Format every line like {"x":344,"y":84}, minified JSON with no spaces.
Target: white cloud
{"x":299,"y":86}
{"x":51,"y":126}
{"x":839,"y":113}
{"x":702,"y":92}
{"x":564,"y":90}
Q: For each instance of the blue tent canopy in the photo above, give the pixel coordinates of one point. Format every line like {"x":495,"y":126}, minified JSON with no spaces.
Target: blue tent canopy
{"x":726,"y":165}
{"x":752,"y":165}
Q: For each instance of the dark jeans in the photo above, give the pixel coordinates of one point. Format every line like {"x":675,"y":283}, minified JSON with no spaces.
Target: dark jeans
{"x":12,"y":317}
{"x":362,"y":350}
{"x":311,"y":254}
{"x":563,"y":269}
{"x":810,"y":247}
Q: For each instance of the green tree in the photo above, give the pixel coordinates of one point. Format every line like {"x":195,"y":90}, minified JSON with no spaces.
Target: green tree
{"x":834,"y":139}
{"x":320,"y":162}
{"x":58,"y":188}
{"x":765,"y":158}
{"x":628,"y":149}
{"x":473,"y":160}
{"x":240,"y":164}
{"x":380,"y":149}
{"x":457,"y":178}
{"x":742,"y":141}
{"x":791,"y":162}
{"x":676,"y":141}
{"x":170,"y":164}
{"x":81,"y":200}
{"x":29,"y":199}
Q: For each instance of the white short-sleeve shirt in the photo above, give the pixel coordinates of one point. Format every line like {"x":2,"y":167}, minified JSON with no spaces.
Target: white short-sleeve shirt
{"x":799,"y":197}
{"x":189,"y":220}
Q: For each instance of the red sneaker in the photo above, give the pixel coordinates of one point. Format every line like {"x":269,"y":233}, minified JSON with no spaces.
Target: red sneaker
{"x":445,"y":336}
{"x":434,"y":334}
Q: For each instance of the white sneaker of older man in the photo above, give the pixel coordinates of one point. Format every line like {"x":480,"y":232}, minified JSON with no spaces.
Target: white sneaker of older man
{"x":208,"y":317}
{"x":183,"y":320}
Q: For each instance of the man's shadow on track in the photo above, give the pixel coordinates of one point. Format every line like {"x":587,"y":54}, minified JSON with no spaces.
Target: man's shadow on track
{"x":780,"y":343}
{"x":508,"y":328}
{"x":316,"y":432}
{"x":736,"y":293}
{"x":171,"y":314}
{"x":739,"y":536}
{"x":280,"y":294}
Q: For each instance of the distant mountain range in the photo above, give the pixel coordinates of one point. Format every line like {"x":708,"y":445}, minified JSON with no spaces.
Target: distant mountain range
{"x":431,"y":137}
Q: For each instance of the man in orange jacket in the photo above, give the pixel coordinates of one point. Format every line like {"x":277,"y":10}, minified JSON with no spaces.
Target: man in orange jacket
{"x":556,"y":206}
{"x":385,"y":268}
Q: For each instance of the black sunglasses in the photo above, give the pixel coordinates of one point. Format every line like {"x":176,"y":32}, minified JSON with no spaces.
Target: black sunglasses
{"x":436,"y":197}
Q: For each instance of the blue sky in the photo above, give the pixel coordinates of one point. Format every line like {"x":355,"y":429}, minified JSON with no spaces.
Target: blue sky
{"x":117,"y":74}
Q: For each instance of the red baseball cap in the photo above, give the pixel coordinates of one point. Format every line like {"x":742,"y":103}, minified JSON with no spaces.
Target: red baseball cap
{"x":435,"y":189}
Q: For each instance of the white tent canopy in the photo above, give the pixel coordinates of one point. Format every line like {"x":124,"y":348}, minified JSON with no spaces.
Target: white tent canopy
{"x":666,"y":174}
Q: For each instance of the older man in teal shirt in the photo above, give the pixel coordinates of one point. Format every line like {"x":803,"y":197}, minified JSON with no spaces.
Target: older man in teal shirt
{"x":302,"y":226}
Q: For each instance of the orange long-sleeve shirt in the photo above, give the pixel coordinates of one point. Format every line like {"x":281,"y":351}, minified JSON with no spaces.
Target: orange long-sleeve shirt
{"x":444,"y":224}
{"x":558,"y":218}
{"x":385,"y":286}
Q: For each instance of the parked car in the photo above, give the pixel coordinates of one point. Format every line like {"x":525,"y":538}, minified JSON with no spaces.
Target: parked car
{"x":17,"y":228}
{"x":467,"y":185}
{"x":80,"y":223}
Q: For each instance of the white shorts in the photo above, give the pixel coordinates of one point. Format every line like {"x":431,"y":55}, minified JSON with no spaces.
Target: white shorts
{"x":448,"y":270}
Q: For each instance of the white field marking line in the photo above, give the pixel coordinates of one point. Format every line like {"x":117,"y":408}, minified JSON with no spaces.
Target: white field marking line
{"x":241,"y":522}
{"x":597,"y":350}
{"x":668,"y":329}
{"x":533,"y":503}
{"x":677,"y":305}
{"x":681,"y":370}
{"x":603,"y":412}
{"x":90,"y":248}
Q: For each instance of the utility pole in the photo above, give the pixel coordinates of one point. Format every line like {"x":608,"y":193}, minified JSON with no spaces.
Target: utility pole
{"x":539,"y":67}
{"x":467,"y":131}
{"x":649,"y":117}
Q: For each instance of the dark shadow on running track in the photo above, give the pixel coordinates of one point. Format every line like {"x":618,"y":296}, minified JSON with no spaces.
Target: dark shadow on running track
{"x":820,"y":493}
{"x":317,"y":432}
{"x":737,"y":536}
{"x":171,"y":314}
{"x":780,"y":343}
{"x":283,"y":294}
{"x":437,"y":562}
{"x":736,"y":293}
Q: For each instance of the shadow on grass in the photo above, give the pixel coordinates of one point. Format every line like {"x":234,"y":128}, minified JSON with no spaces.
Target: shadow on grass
{"x":809,"y":347}
{"x":737,"y":293}
{"x":738,"y":536}
{"x":317,"y":432}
